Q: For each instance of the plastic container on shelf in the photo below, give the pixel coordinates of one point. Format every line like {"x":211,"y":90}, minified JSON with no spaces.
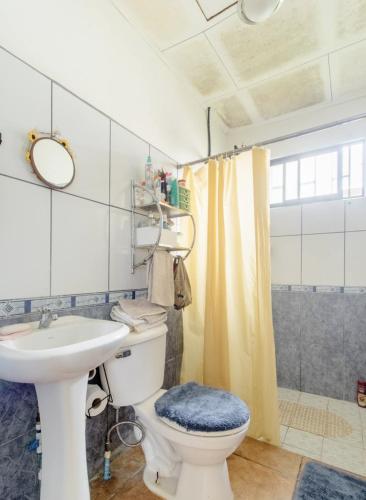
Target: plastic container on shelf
{"x":147,"y":236}
{"x":184,"y":196}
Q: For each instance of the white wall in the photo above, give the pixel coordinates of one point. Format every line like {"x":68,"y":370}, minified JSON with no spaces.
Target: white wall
{"x":89,"y":48}
{"x":74,"y":241}
{"x":317,"y":244}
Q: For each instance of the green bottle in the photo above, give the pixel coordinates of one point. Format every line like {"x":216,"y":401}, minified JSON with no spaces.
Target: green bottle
{"x":174,"y":193}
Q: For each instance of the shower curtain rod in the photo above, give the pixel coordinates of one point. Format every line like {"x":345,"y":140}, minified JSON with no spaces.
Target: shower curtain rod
{"x":278,"y":139}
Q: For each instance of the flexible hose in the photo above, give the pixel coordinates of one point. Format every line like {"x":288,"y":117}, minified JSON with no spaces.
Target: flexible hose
{"x":107,"y":449}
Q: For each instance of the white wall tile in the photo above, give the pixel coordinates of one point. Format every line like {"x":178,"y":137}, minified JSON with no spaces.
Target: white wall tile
{"x":323,"y":259}
{"x":25,"y":244}
{"x":286,"y":221}
{"x":87,"y":131}
{"x":356,"y":258}
{"x":128,"y":158}
{"x":25,"y":103}
{"x":323,"y":217}
{"x":356,"y":214}
{"x":286,"y":260}
{"x":79,"y":245}
{"x":121,"y":277}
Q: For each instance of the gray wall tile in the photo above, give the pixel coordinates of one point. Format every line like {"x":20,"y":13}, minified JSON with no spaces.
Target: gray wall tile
{"x":322,"y":370}
{"x":19,"y":470}
{"x":288,"y":365}
{"x":322,"y":319}
{"x":18,"y":409}
{"x":286,"y":322}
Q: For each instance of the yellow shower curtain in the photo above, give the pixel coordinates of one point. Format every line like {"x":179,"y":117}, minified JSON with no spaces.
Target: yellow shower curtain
{"x":228,"y":333}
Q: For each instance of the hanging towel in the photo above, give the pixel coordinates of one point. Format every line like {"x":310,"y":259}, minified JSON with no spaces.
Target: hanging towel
{"x":182,"y":286}
{"x":160,"y":279}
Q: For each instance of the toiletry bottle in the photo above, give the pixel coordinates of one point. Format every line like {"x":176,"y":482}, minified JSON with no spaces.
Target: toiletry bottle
{"x":149,"y":174}
{"x":163,"y":186}
{"x":174,"y":193}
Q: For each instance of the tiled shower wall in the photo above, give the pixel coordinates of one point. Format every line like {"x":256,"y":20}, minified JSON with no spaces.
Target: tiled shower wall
{"x":69,"y":249}
{"x":319,"y":296}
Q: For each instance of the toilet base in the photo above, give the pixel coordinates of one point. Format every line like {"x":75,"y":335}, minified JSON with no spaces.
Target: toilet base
{"x":195,"y":482}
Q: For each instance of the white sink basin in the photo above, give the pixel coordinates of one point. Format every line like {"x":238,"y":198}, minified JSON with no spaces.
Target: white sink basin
{"x":58,"y":360}
{"x":71,"y":346}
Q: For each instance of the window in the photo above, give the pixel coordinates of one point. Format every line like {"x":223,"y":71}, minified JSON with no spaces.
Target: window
{"x":329,"y":174}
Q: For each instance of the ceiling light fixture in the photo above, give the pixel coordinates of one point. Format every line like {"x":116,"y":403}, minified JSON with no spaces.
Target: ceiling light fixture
{"x":257,"y":11}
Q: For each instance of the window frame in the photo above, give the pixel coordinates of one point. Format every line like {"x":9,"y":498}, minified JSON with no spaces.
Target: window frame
{"x":316,"y":152}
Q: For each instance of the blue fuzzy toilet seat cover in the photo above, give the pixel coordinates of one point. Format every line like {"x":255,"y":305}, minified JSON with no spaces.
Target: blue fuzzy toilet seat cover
{"x":202,"y":409}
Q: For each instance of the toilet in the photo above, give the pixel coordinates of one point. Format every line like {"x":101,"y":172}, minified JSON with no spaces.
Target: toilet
{"x":186,"y":443}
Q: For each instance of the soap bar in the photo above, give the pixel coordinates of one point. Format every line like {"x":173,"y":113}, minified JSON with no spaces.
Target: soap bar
{"x":17,"y":328}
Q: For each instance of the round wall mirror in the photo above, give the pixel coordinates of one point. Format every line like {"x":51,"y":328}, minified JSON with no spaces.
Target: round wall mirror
{"x":52,"y":163}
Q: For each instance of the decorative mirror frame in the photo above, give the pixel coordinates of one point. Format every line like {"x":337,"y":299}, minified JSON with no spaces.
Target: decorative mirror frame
{"x":34,"y":137}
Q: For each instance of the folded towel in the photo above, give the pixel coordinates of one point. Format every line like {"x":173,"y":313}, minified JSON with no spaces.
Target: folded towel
{"x":125,"y":318}
{"x":160,"y":279}
{"x":137,"y":326}
{"x":142,"y":309}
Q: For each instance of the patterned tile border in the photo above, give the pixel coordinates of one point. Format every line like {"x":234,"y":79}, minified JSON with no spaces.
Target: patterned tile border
{"x":319,"y":289}
{"x":16,"y":307}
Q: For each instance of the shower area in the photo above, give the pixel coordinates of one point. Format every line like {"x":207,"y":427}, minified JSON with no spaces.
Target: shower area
{"x":318,"y":243}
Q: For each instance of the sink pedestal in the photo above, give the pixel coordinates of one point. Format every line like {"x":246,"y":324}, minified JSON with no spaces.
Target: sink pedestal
{"x":64,"y":465}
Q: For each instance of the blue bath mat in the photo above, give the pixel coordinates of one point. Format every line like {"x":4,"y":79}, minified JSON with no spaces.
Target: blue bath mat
{"x":319,"y":482}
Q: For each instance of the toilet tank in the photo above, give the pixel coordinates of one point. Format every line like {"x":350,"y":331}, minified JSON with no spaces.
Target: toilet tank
{"x":136,"y":371}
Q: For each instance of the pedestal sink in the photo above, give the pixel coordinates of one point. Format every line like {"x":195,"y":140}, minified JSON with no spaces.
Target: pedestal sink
{"x":57,"y":360}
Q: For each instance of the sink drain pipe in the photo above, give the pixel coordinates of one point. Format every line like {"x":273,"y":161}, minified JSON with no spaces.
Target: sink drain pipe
{"x":107,"y":447}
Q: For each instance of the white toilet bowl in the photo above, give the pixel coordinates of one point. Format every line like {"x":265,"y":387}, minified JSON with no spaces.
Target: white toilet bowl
{"x":180,"y":464}
{"x":194,"y":463}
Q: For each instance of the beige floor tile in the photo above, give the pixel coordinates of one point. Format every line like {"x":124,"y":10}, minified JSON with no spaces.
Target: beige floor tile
{"x":288,"y":394}
{"x":283,"y":432}
{"x":306,"y":453}
{"x":304,"y":440}
{"x":313,"y":400}
{"x":252,"y":481}
{"x":127,"y":467}
{"x":137,"y":492}
{"x":354,"y":438}
{"x":362,"y":412}
{"x":273,"y":457}
{"x":343,"y":407}
{"x":344,"y":456}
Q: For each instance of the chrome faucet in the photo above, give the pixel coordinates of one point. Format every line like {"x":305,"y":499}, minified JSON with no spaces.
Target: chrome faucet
{"x":46,"y":318}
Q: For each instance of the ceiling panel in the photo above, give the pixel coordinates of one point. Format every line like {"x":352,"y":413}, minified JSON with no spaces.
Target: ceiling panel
{"x":350,"y":20}
{"x":292,"y":91}
{"x":165,"y":22}
{"x":293,"y":35}
{"x":232,"y":112}
{"x":198,"y":63}
{"x":348,"y":67}
{"x":212,"y":7}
